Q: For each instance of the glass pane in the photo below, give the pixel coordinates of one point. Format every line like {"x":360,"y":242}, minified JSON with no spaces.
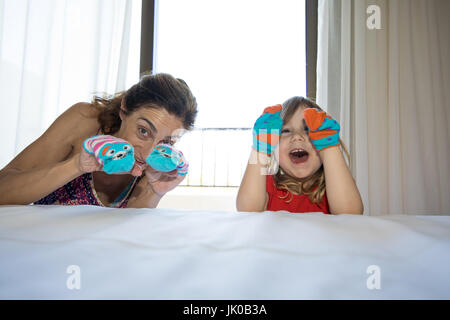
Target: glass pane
{"x":237,"y":56}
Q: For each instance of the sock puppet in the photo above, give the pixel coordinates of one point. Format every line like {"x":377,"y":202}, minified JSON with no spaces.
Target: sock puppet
{"x":165,"y":157}
{"x":322,"y":128}
{"x":115,"y":154}
{"x":266,"y":130}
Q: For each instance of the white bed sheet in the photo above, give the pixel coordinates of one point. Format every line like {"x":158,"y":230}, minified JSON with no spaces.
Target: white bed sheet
{"x":177,"y":254}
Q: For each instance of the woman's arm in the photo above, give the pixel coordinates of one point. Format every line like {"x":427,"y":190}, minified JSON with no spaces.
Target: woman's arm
{"x":342,"y":193}
{"x":23,"y":187}
{"x":143,"y":196}
{"x":49,"y":162}
{"x":252,"y":195}
{"x":153,"y":186}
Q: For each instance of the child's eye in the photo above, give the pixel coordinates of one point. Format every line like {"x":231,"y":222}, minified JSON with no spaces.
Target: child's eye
{"x":284,"y":130}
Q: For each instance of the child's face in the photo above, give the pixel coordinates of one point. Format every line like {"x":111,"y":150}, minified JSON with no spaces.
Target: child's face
{"x":297,"y":155}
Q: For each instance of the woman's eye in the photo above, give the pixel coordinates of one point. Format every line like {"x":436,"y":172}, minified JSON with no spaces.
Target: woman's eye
{"x":284,"y":130}
{"x":143,"y":131}
{"x":167,"y":141}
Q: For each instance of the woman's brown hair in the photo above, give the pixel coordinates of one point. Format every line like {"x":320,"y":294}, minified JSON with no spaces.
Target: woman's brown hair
{"x":159,"y":90}
{"x":313,"y":186}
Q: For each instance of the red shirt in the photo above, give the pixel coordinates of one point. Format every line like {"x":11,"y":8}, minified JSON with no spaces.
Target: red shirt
{"x":298,"y":204}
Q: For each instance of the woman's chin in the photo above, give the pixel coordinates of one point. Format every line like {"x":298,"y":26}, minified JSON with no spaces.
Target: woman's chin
{"x":136,"y":171}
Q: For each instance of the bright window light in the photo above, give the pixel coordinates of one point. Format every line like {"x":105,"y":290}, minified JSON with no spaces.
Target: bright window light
{"x":237,"y":56}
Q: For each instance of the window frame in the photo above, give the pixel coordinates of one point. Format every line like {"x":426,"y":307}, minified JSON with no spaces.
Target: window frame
{"x":147,"y":42}
{"x":147,"y":58}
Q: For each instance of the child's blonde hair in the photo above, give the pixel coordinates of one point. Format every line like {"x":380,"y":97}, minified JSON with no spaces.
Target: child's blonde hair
{"x":313,"y":186}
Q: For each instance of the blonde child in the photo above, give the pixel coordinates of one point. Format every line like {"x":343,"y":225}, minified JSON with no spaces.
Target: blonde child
{"x":296,"y":163}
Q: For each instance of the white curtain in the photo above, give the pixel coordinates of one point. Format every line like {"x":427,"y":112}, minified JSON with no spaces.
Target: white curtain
{"x":390,"y":89}
{"x":55,"y":53}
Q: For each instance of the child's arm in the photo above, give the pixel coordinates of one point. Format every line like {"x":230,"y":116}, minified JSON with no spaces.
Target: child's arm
{"x":342,"y":193}
{"x":252,"y":195}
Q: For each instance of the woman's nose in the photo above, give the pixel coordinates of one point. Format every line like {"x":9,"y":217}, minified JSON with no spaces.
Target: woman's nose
{"x":144,"y":151}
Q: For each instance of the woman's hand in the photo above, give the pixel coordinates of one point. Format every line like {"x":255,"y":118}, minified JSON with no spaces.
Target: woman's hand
{"x":114,"y":153}
{"x":152,"y":187}
{"x":166,"y":168}
{"x":162,"y":182}
{"x":87,"y":162}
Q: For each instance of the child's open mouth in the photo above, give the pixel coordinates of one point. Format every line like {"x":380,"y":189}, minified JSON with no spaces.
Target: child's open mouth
{"x":298,"y":156}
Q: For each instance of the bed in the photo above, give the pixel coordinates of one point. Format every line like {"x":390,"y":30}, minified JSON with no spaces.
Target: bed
{"x":88,"y":252}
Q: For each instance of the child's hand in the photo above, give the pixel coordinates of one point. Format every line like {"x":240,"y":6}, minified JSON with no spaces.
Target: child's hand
{"x":322,"y":129}
{"x":114,"y":154}
{"x":267,"y":128}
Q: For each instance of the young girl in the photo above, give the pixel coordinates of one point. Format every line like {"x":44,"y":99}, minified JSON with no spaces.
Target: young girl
{"x":296,"y":163}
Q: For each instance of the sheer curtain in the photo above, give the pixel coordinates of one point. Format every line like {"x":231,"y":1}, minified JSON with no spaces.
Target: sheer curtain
{"x":389,"y":88}
{"x":55,"y":53}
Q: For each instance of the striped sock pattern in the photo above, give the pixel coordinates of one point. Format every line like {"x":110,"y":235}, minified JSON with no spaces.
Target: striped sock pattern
{"x":115,"y":154}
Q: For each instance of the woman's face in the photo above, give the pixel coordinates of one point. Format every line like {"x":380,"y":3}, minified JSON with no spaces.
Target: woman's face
{"x":147,"y":127}
{"x":297,"y":155}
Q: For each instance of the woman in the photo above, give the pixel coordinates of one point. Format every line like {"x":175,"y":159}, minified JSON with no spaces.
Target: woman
{"x":55,"y":169}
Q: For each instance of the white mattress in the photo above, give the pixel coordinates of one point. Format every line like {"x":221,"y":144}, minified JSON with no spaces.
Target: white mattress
{"x":176,"y":254}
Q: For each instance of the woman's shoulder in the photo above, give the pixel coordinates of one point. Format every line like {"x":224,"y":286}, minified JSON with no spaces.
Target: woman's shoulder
{"x":84,"y":110}
{"x":60,"y":140}
{"x":82,"y":119}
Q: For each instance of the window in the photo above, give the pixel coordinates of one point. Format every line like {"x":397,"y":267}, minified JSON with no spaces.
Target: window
{"x":237,"y":57}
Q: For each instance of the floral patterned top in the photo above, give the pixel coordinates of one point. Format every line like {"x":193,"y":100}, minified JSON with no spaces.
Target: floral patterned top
{"x":81,"y":191}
